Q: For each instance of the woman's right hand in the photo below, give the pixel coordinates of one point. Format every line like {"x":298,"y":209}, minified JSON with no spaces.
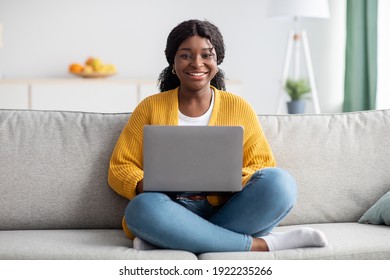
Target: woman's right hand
{"x":140,"y":187}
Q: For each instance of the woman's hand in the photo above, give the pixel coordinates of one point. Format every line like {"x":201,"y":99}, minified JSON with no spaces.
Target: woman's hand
{"x":140,"y":187}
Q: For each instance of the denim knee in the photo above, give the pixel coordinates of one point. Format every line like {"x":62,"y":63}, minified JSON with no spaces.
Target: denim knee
{"x":279,"y":184}
{"x":143,"y":205}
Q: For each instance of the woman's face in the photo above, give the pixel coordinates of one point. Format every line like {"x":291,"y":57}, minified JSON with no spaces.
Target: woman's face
{"x":195,"y":63}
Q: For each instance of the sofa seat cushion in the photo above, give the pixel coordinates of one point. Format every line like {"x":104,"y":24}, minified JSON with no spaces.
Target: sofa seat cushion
{"x":346,"y":241}
{"x":77,"y":245}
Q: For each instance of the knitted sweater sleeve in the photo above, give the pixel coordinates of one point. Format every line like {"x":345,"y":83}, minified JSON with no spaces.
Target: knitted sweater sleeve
{"x":257,"y":151}
{"x":126,"y":164}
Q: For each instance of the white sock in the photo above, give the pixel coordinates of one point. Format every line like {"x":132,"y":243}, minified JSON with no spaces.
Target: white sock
{"x":141,"y":244}
{"x":297,"y":238}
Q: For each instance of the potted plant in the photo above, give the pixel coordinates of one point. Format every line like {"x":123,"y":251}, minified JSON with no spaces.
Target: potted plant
{"x":297,"y":90}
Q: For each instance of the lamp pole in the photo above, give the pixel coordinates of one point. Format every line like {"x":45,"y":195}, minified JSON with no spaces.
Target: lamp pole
{"x":296,"y":40}
{"x":297,"y":49}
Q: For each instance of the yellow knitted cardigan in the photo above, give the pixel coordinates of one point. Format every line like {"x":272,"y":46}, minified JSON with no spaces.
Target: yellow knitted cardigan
{"x":125,"y":169}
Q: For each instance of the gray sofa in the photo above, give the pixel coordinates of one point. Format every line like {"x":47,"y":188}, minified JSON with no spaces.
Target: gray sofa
{"x":55,"y":202}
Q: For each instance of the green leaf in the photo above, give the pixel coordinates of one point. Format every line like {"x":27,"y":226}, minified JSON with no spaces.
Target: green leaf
{"x":297,"y":89}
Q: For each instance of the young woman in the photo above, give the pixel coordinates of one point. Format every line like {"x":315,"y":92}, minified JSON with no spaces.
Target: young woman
{"x":192,"y":93}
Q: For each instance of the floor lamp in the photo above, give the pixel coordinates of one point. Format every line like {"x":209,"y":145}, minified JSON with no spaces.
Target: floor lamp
{"x":297,"y":41}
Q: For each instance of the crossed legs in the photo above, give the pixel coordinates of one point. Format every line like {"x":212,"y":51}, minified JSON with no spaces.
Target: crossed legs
{"x":243,"y":223}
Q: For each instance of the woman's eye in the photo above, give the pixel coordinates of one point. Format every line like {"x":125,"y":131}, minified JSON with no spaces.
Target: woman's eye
{"x":207,"y":55}
{"x":185,"y":56}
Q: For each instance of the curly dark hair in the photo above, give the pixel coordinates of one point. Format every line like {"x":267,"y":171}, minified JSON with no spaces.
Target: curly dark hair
{"x":167,"y":80}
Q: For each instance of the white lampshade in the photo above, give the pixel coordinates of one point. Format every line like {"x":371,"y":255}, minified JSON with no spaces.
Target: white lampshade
{"x":298,"y":8}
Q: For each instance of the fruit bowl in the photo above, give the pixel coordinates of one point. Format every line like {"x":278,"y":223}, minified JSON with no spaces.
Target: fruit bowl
{"x":92,"y":68}
{"x":93,"y":75}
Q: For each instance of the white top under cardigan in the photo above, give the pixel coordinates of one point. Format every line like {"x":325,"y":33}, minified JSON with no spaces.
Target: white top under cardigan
{"x":202,"y":120}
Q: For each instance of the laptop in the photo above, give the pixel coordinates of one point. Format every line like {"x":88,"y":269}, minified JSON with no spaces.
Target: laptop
{"x":192,"y":159}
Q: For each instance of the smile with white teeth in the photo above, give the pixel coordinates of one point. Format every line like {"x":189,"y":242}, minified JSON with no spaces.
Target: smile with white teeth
{"x":197,"y":74}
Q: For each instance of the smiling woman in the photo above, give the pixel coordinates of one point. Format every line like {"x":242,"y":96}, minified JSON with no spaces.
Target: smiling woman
{"x":210,"y":46}
{"x":195,"y":61}
{"x":193,"y":94}
{"x":195,"y":65}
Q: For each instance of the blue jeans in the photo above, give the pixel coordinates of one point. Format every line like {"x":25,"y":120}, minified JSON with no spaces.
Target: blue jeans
{"x":199,"y":227}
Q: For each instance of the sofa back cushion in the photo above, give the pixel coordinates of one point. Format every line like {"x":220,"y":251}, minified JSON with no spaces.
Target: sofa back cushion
{"x":340,"y":161}
{"x":53,"y":170}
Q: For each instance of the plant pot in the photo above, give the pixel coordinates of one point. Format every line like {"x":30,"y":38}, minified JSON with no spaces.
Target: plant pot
{"x":296,"y":107}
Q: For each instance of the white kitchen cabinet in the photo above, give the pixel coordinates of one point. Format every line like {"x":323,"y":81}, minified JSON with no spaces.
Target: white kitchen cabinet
{"x":146,"y":89}
{"x":234,"y":87}
{"x":87,"y":97}
{"x":14,"y":96}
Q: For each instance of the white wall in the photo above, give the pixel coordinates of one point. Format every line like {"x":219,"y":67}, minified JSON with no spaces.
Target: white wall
{"x":42,"y":37}
{"x":383,"y":86}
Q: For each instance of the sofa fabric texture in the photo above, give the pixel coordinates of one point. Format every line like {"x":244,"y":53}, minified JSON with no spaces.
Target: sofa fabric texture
{"x":55,"y":201}
{"x":54,"y":170}
{"x":340,"y":162}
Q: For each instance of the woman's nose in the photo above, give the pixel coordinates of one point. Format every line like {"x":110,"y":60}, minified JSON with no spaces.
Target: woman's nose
{"x":197,"y":61}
